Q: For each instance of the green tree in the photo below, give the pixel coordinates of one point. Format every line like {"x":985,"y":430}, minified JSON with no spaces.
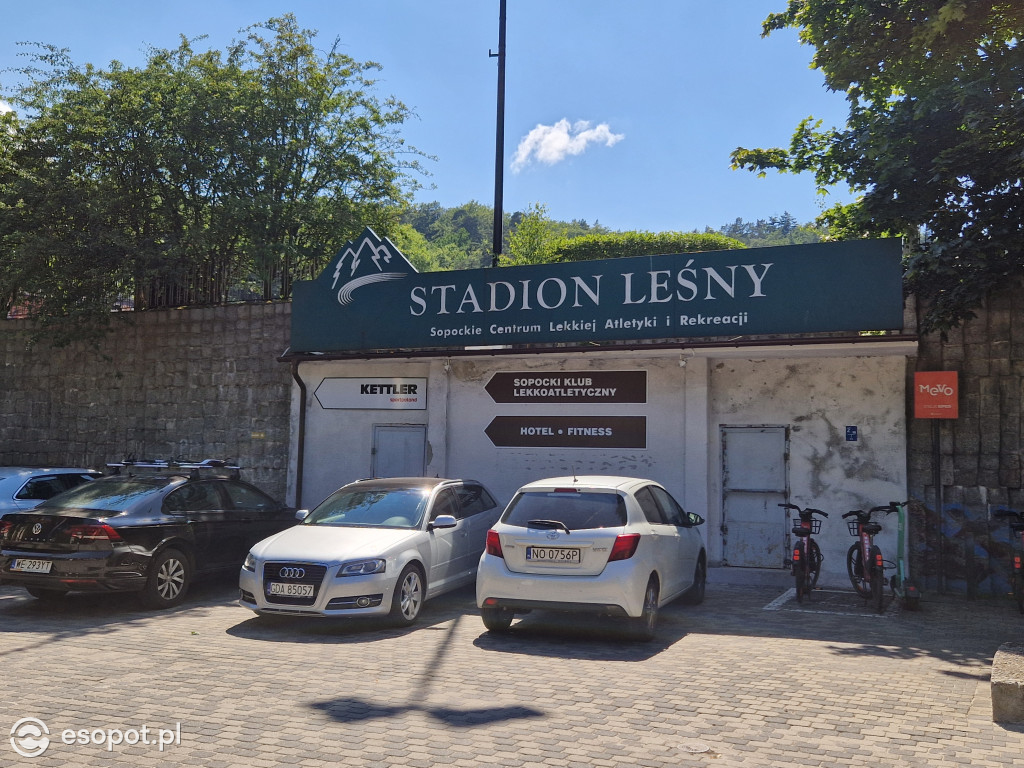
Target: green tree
{"x":200,"y":172}
{"x":934,"y":138}
{"x":532,"y":238}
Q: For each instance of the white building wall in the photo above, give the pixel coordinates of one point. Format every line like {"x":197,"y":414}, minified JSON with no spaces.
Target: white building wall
{"x":814,"y":391}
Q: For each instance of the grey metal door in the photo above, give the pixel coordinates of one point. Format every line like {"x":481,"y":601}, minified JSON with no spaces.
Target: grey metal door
{"x":754,"y":482}
{"x":399,"y":450}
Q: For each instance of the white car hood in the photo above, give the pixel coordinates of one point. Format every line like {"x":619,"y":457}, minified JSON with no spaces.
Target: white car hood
{"x":332,"y":544}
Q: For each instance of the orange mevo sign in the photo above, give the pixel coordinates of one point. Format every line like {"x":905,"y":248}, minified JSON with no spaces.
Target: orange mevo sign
{"x":935,"y":395}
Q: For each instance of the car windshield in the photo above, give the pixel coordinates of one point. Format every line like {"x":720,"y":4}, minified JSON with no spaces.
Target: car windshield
{"x":112,"y":495}
{"x":577,"y":511}
{"x":377,"y":508}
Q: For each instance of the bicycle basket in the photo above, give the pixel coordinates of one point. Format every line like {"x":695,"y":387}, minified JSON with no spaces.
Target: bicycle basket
{"x":853,"y":527}
{"x":799,"y":525}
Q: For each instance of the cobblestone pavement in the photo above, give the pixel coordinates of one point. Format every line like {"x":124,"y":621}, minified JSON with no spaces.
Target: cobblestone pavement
{"x":749,"y":678}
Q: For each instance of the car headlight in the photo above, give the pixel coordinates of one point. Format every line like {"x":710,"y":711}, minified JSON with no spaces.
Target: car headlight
{"x":362,"y":567}
{"x":250,"y":563}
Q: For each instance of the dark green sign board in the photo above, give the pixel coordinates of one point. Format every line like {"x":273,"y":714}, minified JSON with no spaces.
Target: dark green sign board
{"x":371,"y":298}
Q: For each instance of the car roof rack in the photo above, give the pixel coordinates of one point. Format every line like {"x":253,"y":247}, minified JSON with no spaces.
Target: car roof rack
{"x":195,"y":469}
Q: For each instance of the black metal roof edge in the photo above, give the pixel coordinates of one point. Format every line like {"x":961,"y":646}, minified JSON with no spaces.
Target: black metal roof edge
{"x":307,"y":357}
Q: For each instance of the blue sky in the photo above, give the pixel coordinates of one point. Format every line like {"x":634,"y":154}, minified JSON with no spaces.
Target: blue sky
{"x":621,"y":113}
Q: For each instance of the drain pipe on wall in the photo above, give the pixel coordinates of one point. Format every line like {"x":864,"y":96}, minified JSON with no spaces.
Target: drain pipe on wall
{"x":300,"y":451}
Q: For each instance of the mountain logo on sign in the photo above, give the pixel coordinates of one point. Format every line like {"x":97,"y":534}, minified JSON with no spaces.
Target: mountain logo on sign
{"x":366,"y":261}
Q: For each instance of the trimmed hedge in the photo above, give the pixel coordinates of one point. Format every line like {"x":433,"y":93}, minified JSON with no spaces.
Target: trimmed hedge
{"x":617,"y":245}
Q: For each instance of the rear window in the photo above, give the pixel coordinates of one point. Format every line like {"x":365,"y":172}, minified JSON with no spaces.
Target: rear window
{"x":577,"y":511}
{"x":108,"y":494}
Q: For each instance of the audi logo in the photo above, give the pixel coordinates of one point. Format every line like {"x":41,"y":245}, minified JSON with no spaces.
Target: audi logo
{"x":292,"y":573}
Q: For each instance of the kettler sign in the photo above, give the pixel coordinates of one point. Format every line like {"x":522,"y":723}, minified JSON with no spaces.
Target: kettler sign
{"x":935,"y":395}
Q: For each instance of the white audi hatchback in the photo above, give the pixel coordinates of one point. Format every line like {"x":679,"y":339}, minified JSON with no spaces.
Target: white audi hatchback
{"x":619,"y":546}
{"x":372,"y":548}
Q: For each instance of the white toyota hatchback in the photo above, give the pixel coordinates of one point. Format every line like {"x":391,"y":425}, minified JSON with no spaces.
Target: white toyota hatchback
{"x":372,"y":548}
{"x":620,"y":546}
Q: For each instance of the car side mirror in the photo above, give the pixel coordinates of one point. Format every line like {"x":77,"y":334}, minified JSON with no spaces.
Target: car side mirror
{"x":692,"y":519}
{"x":443,"y":521}
{"x":302,"y":514}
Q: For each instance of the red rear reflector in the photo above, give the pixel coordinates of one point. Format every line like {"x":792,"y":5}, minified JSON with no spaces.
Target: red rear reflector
{"x":878,"y":560}
{"x":1016,"y":562}
{"x":494,"y":544}
{"x":796,"y":555}
{"x":79,"y":533}
{"x":624,"y":547}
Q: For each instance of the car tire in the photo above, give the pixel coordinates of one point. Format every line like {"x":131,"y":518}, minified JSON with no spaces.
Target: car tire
{"x":496,"y":619}
{"x":695,"y":594}
{"x":407,"y":600}
{"x":46,"y":595}
{"x":170,"y":574}
{"x":644,"y":624}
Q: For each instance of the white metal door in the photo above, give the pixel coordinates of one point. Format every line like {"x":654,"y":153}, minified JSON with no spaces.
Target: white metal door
{"x":754,"y":481}
{"x":399,"y":450}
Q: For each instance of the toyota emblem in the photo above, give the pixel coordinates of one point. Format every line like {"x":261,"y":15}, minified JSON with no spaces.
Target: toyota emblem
{"x":552,"y":534}
{"x":292,"y":573}
{"x":37,"y":528}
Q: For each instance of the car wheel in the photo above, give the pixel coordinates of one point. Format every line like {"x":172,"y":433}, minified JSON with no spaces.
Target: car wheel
{"x":643,"y":625}
{"x":169,"y":577}
{"x":695,"y":594}
{"x":46,"y":595}
{"x":408,"y":597}
{"x":496,"y":619}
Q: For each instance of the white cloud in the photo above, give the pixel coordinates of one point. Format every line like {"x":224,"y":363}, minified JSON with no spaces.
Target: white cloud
{"x":5,"y":107}
{"x":550,"y":144}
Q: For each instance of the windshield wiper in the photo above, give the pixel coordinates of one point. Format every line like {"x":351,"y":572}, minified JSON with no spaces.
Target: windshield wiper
{"x":548,"y":524}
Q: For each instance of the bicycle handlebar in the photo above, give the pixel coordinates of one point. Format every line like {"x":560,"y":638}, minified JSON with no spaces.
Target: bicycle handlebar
{"x":809,"y":511}
{"x":887,"y":508}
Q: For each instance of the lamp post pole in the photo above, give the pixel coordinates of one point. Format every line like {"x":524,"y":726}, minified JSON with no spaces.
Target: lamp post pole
{"x":499,"y":149}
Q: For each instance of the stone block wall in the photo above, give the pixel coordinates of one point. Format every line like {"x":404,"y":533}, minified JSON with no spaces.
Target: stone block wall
{"x":980,"y":461}
{"x":192,"y":383}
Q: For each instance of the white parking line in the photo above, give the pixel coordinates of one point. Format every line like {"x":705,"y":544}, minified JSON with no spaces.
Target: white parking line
{"x":778,"y":603}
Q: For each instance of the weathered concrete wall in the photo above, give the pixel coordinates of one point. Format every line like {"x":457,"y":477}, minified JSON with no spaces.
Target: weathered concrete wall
{"x":980,"y":461}
{"x":193,"y":383}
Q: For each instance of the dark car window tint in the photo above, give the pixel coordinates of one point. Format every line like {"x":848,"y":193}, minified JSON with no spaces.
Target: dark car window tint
{"x":194,"y":497}
{"x":578,"y":511}
{"x":445,"y":504}
{"x":475,"y":499}
{"x":41,"y":488}
{"x":673,"y":512}
{"x":649,"y":506}
{"x":246,"y":497}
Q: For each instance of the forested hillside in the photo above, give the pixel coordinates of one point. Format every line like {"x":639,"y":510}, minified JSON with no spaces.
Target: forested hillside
{"x":434,"y":237}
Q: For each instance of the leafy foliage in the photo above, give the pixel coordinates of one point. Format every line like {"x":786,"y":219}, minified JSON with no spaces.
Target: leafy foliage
{"x":934,"y":138}
{"x":775,"y":230}
{"x":181,"y":180}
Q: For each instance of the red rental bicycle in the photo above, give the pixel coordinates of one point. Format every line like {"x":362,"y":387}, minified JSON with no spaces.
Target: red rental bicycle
{"x":1016,"y":522}
{"x":807,"y":556}
{"x":864,"y":561}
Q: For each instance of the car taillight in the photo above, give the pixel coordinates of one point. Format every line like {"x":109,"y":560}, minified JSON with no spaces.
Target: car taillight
{"x":624,"y":547}
{"x":80,"y":533}
{"x":5,"y":528}
{"x":1016,"y":562}
{"x":494,"y":544}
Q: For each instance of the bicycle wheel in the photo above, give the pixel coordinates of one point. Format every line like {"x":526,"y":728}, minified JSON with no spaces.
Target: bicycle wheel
{"x":877,"y":582}
{"x":855,"y":568}
{"x":813,"y":566}
{"x":800,"y":572}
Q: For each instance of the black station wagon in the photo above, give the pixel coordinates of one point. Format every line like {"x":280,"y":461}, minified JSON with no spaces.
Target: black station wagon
{"x":146,"y":532}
